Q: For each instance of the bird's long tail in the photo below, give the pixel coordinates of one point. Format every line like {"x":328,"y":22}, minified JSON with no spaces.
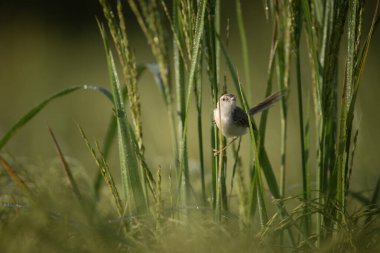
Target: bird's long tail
{"x":266,"y":103}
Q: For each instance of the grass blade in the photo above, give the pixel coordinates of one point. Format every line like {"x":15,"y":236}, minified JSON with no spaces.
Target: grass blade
{"x":199,"y":27}
{"x":112,"y":123}
{"x":35,"y":110}
{"x":256,"y":179}
{"x":244,"y":49}
{"x":179,"y":71}
{"x":15,"y":178}
{"x":66,"y":168}
{"x":104,"y":169}
{"x":132,"y":185}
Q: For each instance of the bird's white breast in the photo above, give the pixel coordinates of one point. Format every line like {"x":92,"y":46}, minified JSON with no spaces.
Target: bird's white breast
{"x":229,"y":128}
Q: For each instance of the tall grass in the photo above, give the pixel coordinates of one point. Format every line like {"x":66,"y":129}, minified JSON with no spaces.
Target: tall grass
{"x":189,"y":49}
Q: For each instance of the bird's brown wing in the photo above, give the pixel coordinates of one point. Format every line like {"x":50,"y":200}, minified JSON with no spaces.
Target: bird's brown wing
{"x":240,"y":117}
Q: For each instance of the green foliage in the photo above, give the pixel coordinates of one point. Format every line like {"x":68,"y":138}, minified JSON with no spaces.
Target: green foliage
{"x":189,"y":40}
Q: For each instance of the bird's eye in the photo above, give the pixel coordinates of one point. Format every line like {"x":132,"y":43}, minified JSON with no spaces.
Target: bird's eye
{"x":224,"y":99}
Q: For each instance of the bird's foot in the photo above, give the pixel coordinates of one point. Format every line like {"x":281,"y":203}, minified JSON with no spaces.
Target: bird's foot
{"x":217,"y":151}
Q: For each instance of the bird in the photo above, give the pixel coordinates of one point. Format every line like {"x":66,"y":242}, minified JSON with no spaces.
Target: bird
{"x":232,"y":120}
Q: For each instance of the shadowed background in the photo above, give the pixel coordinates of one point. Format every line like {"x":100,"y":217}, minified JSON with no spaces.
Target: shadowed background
{"x":47,"y":46}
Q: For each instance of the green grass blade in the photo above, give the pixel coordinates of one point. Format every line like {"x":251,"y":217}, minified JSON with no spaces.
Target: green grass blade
{"x":306,"y":11}
{"x":212,"y":56}
{"x":258,"y":168}
{"x":234,"y":167}
{"x":179,"y":71}
{"x":348,"y":93}
{"x":199,"y":27}
{"x":306,"y":191}
{"x":132,"y":185}
{"x":112,"y":123}
{"x":244,"y":49}
{"x":264,"y":114}
{"x":199,"y":103}
{"x":66,"y":168}
{"x":35,"y":110}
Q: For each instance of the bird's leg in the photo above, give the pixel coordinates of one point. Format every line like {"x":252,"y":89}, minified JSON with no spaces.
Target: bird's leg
{"x":217,"y":151}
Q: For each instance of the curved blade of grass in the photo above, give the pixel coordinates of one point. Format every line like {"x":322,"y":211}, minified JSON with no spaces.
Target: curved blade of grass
{"x":264,"y":114}
{"x":256,"y":182}
{"x":66,"y":168}
{"x":35,"y":110}
{"x":112,"y":125}
{"x":15,"y":178}
{"x":132,"y":185}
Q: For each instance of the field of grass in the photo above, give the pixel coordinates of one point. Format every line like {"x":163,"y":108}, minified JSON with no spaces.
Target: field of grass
{"x":239,"y":200}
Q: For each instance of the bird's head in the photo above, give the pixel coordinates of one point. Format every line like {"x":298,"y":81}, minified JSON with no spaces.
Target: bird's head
{"x":227,"y":102}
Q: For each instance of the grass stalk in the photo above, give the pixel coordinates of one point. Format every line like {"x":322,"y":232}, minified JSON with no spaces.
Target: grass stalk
{"x":306,"y":191}
{"x":244,"y":49}
{"x":199,"y":102}
{"x":66,"y":168}
{"x":131,"y":178}
{"x":257,"y":172}
{"x":17,"y":180}
{"x":179,"y":71}
{"x":149,"y":18}
{"x":212,"y":28}
{"x":107,"y":176}
{"x":112,"y":127}
{"x":306,"y":11}
{"x":346,"y":101}
{"x":306,"y":187}
{"x":199,"y":26}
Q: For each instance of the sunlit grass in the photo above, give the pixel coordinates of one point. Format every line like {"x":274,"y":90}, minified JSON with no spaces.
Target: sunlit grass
{"x":158,"y":209}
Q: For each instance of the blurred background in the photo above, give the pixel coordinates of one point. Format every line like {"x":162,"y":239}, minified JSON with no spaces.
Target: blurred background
{"x":46,"y":46}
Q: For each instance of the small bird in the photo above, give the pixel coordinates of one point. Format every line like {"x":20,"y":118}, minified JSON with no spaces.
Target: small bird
{"x":233,"y":121}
